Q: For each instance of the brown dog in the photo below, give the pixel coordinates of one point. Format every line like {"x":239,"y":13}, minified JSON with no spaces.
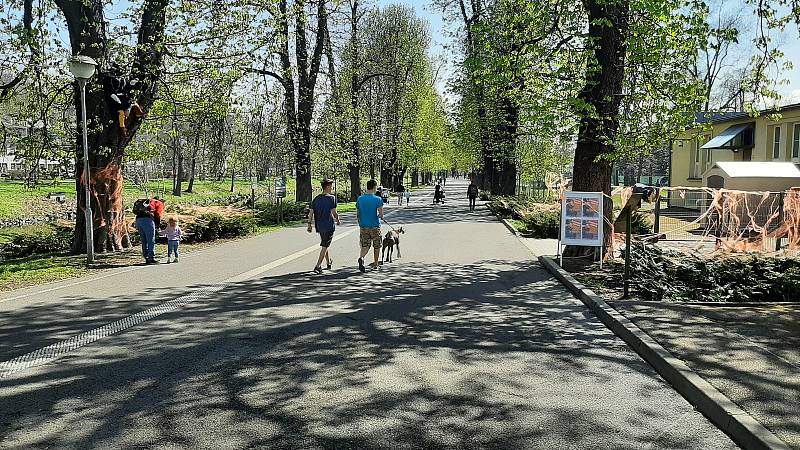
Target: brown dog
{"x":391,"y":241}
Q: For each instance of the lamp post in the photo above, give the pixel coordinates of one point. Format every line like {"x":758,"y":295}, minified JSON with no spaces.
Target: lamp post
{"x":82,"y":68}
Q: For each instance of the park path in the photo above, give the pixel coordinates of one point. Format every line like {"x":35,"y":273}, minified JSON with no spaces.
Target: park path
{"x":464,"y":342}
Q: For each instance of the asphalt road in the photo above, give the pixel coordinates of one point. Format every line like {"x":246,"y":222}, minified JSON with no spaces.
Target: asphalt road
{"x":464,"y":342}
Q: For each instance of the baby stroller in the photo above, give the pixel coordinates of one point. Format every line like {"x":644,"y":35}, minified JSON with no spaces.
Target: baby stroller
{"x":438,"y":194}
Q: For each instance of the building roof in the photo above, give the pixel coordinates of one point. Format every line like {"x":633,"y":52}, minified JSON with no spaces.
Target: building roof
{"x":718,"y":117}
{"x":714,"y":117}
{"x":758,"y":169}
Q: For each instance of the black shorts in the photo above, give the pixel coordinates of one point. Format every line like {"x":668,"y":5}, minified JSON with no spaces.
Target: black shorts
{"x":326,"y":237}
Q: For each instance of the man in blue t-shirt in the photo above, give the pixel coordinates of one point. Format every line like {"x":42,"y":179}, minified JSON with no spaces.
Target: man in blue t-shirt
{"x":322,"y":214}
{"x":369,"y":210}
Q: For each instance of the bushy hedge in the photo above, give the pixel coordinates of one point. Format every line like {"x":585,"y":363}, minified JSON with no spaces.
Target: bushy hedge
{"x":268,"y":213}
{"x":541,"y":220}
{"x":36,"y":240}
{"x":662,"y":274}
{"x":542,"y":224}
{"x":212,"y":226}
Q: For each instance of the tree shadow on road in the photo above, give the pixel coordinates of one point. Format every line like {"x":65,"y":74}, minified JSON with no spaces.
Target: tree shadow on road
{"x":487,"y":355}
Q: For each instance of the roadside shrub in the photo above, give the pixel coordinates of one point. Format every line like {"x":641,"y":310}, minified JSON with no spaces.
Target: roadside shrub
{"x":270,"y":213}
{"x":212,"y":226}
{"x":542,"y":224}
{"x":641,"y":222}
{"x":37,"y":240}
{"x":343,"y":197}
{"x":485,"y":196}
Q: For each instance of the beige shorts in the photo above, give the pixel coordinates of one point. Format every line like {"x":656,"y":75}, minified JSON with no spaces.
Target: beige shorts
{"x":370,"y":237}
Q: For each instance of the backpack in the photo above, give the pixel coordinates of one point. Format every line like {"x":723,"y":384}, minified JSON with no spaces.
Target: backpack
{"x":142,"y":208}
{"x":472,"y":190}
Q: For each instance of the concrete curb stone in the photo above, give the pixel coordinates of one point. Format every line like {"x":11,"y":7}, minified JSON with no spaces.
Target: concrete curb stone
{"x":743,"y":428}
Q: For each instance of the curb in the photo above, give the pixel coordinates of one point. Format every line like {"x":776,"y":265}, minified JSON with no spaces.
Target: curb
{"x":740,"y":426}
{"x":505,"y":222}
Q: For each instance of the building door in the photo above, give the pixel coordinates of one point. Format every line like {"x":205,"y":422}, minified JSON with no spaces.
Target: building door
{"x":716,"y":182}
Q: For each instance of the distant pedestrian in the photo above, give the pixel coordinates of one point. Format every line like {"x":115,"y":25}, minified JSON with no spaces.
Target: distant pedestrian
{"x":369,"y":211}
{"x":401,"y":193}
{"x":407,"y":195}
{"x":472,"y":194}
{"x":438,"y":193}
{"x":174,"y":234}
{"x":322,"y":215}
{"x":147,"y":229}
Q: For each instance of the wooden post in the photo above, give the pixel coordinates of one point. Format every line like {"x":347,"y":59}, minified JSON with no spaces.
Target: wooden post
{"x":782,"y":219}
{"x":657,"y":214}
{"x":627,"y":274}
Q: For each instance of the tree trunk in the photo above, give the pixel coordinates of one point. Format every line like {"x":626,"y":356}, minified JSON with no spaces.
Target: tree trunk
{"x":608,"y":28}
{"x":299,"y":117}
{"x":233,"y":180}
{"x":414,"y":178}
{"x":86,"y":25}
{"x":177,"y":172}
{"x":193,"y":170}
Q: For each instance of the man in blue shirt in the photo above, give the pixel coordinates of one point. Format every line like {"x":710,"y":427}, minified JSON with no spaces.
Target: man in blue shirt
{"x":369,"y":211}
{"x":322,"y":214}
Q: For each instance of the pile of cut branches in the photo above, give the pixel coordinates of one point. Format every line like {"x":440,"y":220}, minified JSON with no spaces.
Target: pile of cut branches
{"x":665,"y":274}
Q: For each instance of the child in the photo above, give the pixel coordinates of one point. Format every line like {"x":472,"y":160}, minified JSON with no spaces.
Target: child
{"x":173,"y":234}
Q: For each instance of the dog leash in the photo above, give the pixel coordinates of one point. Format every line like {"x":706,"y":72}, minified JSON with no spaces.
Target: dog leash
{"x":390,"y":225}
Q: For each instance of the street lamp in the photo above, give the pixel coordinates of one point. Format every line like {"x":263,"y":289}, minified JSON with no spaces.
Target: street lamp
{"x":82,"y":68}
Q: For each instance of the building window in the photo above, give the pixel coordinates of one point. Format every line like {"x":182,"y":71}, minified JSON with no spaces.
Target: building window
{"x":776,"y":143}
{"x":796,"y":141}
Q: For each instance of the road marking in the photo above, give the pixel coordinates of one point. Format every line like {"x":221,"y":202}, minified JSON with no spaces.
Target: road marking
{"x":52,"y":352}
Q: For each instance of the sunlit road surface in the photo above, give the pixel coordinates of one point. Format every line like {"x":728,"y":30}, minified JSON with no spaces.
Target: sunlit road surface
{"x":463,"y":342}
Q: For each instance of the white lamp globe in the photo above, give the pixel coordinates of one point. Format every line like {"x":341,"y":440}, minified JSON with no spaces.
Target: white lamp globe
{"x":82,"y":67}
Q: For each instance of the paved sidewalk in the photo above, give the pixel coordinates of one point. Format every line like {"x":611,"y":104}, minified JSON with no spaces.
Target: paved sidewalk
{"x":749,"y":353}
{"x":464,"y":342}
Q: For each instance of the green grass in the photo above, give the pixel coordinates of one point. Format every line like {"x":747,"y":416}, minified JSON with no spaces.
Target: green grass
{"x":519,"y":225}
{"x":39,"y":269}
{"x":17,"y":200}
{"x":15,"y":196}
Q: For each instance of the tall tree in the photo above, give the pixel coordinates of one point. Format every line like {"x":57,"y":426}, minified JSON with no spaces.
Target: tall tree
{"x":299,"y":104}
{"x":87,"y":27}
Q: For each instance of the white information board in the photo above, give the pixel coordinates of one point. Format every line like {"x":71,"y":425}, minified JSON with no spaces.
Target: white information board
{"x":581,"y":220}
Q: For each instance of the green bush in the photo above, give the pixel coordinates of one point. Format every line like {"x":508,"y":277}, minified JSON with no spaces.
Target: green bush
{"x":543,"y":224}
{"x":212,"y":226}
{"x":343,"y":197}
{"x":36,"y":240}
{"x":270,"y":213}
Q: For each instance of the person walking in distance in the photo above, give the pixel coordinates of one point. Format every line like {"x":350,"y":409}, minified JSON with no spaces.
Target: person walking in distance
{"x":401,"y":193}
{"x":472,"y":194}
{"x":369,"y":211}
{"x":322,"y":215}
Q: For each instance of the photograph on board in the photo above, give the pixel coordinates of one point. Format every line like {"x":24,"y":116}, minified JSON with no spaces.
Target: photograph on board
{"x":591,"y":230}
{"x":574,"y":207}
{"x":591,"y":207}
{"x":572,"y":230}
